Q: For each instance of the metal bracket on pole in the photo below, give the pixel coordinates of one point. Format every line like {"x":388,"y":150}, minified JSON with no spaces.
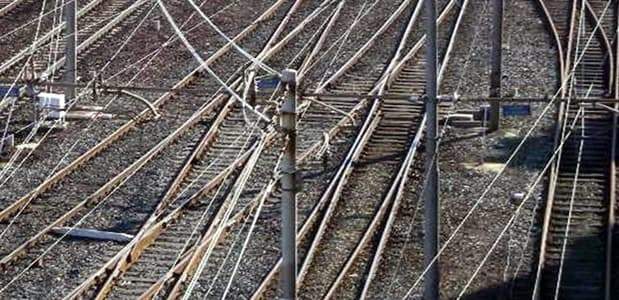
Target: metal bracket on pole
{"x":289,"y":187}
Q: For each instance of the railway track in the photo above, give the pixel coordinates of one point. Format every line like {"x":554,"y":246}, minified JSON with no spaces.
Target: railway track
{"x":370,"y":180}
{"x":315,"y":120}
{"x":94,"y":20}
{"x":575,"y":247}
{"x":381,"y":172}
{"x":374,"y":155}
{"x":20,"y":14}
{"x":68,"y":201}
{"x":162,"y":255}
{"x":9,"y":6}
{"x":343,"y":250}
{"x":143,"y":115}
{"x":231,"y":124}
{"x":179,"y":115}
{"x":164,"y":68}
{"x":100,"y":21}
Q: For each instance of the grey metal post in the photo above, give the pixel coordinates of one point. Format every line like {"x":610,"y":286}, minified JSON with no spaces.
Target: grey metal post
{"x":289,"y":251}
{"x":32,"y":95}
{"x":495,"y":63}
{"x":251,"y":91}
{"x":70,"y":48}
{"x":431,"y":204}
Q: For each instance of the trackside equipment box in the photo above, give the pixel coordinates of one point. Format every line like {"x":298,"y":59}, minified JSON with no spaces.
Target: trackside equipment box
{"x":53,"y":104}
{"x":51,"y":101}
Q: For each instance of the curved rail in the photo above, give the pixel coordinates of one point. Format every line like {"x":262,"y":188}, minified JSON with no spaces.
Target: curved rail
{"x":555,"y":34}
{"x":564,"y":61}
{"x":109,"y":140}
{"x":556,"y":201}
{"x":609,"y":293}
{"x":336,"y":187}
{"x":121,"y":263}
{"x":606,"y":42}
{"x":16,"y":206}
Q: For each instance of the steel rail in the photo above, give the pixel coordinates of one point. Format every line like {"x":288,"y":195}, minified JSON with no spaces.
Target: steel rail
{"x":397,"y":189}
{"x":194,"y":256}
{"x":396,"y":66}
{"x":184,"y":259}
{"x":378,"y":215}
{"x":371,"y":122}
{"x":367,"y":131}
{"x":270,"y":48}
{"x":120,"y":267}
{"x":180,"y":266}
{"x":554,"y":171}
{"x":124,"y":129}
{"x":321,"y":40}
{"x":606,"y":41}
{"x":222,"y":217}
{"x":396,"y":192}
{"x":570,"y":41}
{"x":314,"y":214}
{"x":380,"y":31}
{"x":105,"y":189}
{"x":109,"y":185}
{"x":353,"y":154}
{"x":157,"y":223}
{"x":280,"y":28}
{"x":96,"y":36}
{"x":389,"y":77}
{"x":133,"y":254}
{"x":116,"y":266}
{"x":398,"y":182}
{"x":397,"y":57}
{"x":609,"y":293}
{"x":7,"y":8}
{"x":45,"y":38}
{"x":555,"y":34}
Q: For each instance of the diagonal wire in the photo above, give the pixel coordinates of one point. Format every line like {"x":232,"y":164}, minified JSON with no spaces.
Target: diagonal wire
{"x":204,"y":65}
{"x":510,"y":159}
{"x":517,"y":212}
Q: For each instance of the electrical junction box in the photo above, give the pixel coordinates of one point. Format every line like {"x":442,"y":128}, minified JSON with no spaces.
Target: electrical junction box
{"x":51,"y":101}
{"x":52,"y":105}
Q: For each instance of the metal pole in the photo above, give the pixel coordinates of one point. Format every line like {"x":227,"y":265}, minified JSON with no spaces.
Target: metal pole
{"x":70,"y":48}
{"x":289,"y":230}
{"x":431,"y":206}
{"x":609,"y":292}
{"x":495,"y":62}
{"x":250,"y":90}
{"x":32,"y":95}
